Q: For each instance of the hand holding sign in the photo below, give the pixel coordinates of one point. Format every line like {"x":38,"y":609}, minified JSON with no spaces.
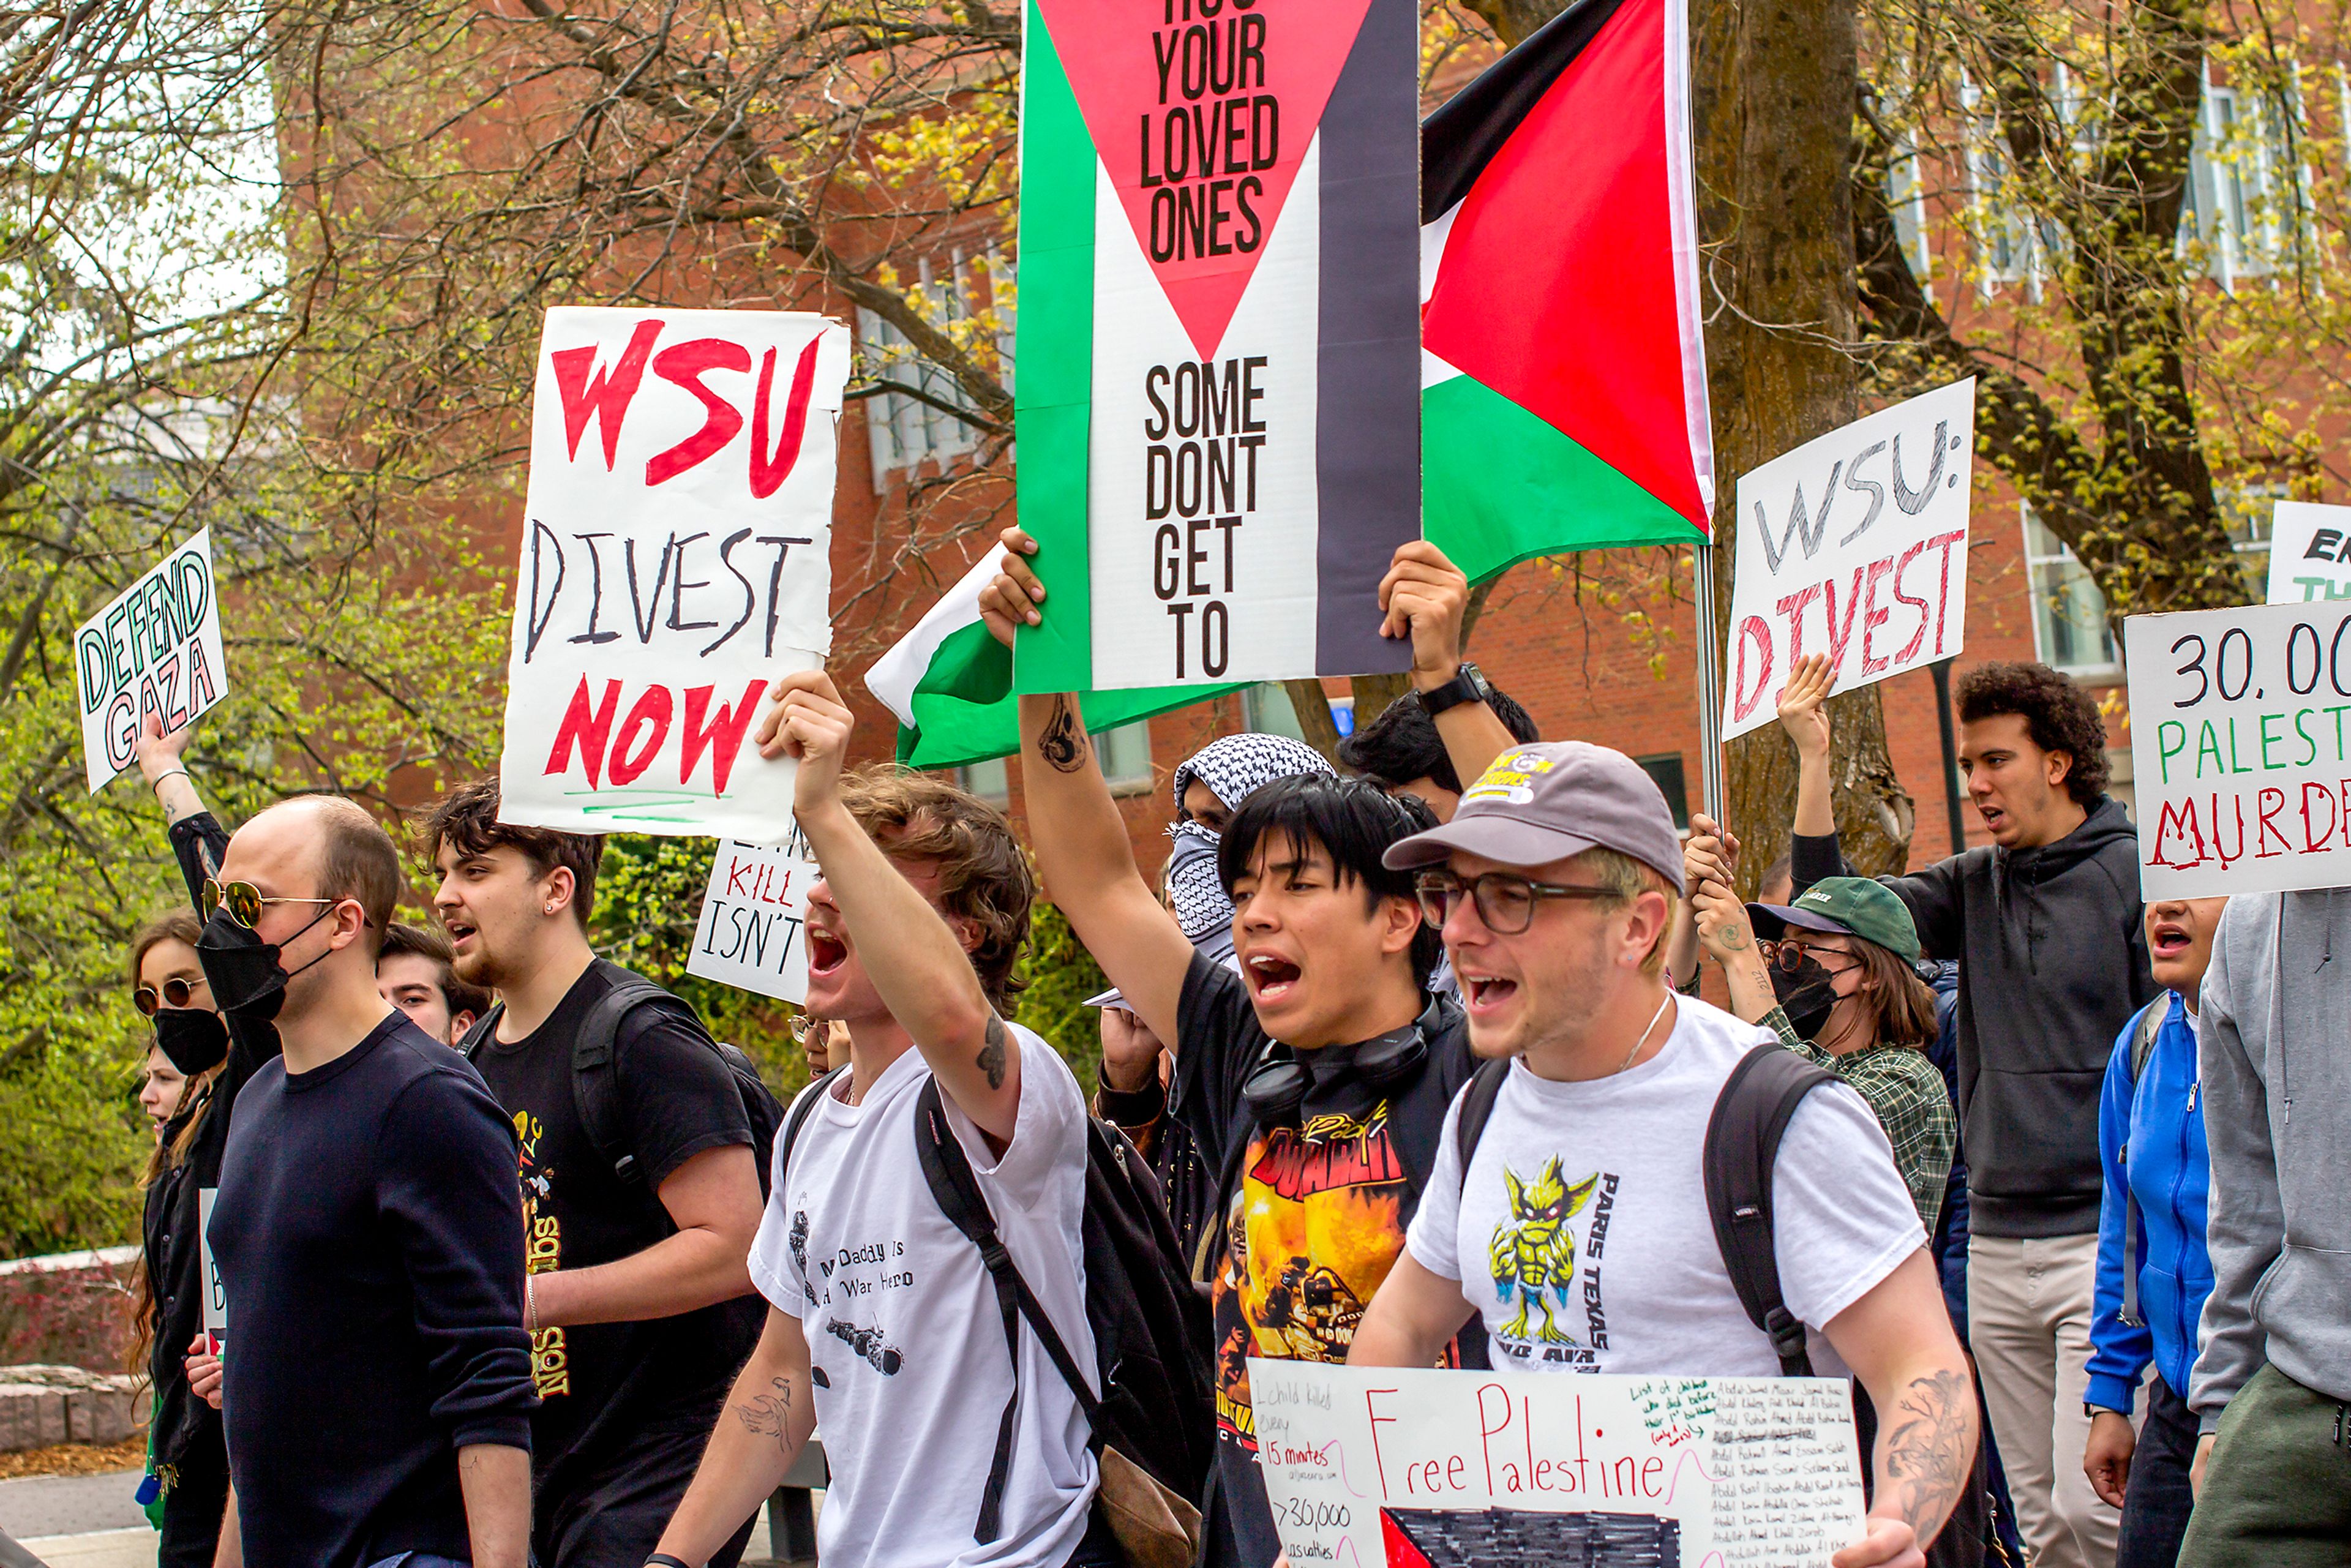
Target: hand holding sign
{"x":810,"y":725}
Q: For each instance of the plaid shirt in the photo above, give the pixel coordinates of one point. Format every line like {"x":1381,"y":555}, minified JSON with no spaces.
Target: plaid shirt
{"x":1906,"y":1093}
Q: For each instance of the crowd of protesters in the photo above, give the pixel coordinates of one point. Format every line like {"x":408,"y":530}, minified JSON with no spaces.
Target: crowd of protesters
{"x":513,"y":1263}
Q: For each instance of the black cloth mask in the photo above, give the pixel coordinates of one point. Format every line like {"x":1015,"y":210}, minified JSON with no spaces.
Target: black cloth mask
{"x":193,"y":1040}
{"x":242,"y":970}
{"x":1806,"y":994}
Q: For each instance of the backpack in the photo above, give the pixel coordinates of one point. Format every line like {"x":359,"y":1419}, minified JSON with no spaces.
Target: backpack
{"x":1742,"y":1141}
{"x":1154,"y":1426}
{"x":596,"y":1072}
{"x":2149,"y":1024}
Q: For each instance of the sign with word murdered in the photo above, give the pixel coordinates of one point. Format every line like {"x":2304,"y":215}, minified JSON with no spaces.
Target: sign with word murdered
{"x":2240,"y":754}
{"x":1218,"y":406}
{"x":1854,"y":544}
{"x":2310,"y":552}
{"x":154,"y":649}
{"x":1420,"y":1468}
{"x":677,"y":557}
{"x":750,"y":936}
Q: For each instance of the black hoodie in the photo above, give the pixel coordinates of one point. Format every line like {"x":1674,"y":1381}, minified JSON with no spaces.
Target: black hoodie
{"x":2052,"y":960}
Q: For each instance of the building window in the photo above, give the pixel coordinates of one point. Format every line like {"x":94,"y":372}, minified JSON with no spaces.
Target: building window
{"x":2248,"y":511}
{"x":905,"y":431}
{"x":2006,"y":249}
{"x":1124,"y":754}
{"x":1906,"y":198}
{"x":1267,"y":709}
{"x":2069,"y":615}
{"x":990,"y":780}
{"x":2248,"y":202}
{"x":1666,"y":770}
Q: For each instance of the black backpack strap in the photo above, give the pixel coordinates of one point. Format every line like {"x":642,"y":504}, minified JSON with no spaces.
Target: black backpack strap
{"x":801,"y":1110}
{"x":1478,"y":1099}
{"x":596,"y":1069}
{"x":2150,"y":1024}
{"x":1742,"y":1143}
{"x":948,"y":1172}
{"x":484,"y":1029}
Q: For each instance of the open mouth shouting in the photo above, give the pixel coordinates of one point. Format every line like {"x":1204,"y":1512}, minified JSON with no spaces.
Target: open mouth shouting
{"x":826,"y":953}
{"x":2168,"y":939}
{"x":462,"y":931}
{"x":1484,"y":995}
{"x":1272,"y":979}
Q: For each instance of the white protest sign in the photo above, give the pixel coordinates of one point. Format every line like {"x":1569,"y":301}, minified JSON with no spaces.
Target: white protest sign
{"x":215,"y":1304}
{"x":2310,"y":552}
{"x":1854,"y":544}
{"x":2239,"y":752}
{"x":1418,"y":1468}
{"x":676,"y":557}
{"x":750,"y":936}
{"x":154,"y":649}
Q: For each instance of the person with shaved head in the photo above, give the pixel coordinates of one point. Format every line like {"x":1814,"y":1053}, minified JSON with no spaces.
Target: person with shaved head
{"x":377,"y":1386}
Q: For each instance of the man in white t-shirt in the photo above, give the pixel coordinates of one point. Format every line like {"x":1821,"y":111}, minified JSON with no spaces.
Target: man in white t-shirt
{"x":1581,"y":1232}
{"x":882,"y":1324}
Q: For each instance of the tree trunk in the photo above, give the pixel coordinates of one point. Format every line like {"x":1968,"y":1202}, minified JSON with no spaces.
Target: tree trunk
{"x":1774,"y":85}
{"x":1313,"y":710}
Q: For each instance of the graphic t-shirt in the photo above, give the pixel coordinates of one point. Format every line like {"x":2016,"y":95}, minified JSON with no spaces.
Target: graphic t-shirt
{"x":1315,"y":1212}
{"x":905,"y":1337}
{"x":601,"y":1384}
{"x":1582,"y":1237}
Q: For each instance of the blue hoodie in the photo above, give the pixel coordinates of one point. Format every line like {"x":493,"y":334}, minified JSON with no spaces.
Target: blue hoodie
{"x":2151,"y":1134}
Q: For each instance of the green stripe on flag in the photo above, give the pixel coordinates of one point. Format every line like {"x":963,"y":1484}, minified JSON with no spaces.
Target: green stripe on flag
{"x":1499,"y":486}
{"x":1053,"y":348}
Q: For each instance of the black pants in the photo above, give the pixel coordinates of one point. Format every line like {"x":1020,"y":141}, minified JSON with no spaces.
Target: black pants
{"x":193,"y":1507}
{"x":2156,"y":1501}
{"x":612,"y":1516}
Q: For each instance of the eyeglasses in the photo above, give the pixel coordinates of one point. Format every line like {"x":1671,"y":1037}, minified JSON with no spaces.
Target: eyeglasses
{"x":244,"y":902}
{"x":1788,"y":955}
{"x":803,"y":1025}
{"x":176,"y":993}
{"x":1505,"y":902}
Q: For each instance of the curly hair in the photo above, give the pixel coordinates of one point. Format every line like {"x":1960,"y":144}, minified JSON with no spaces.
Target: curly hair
{"x":466,"y":819}
{"x":983,"y":877}
{"x":2059,"y":716}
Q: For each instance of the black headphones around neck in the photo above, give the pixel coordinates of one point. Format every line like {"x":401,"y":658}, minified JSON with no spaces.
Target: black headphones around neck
{"x":1277,"y":1086}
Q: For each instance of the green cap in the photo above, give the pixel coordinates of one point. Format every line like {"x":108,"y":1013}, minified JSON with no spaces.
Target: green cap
{"x":1849,"y":905}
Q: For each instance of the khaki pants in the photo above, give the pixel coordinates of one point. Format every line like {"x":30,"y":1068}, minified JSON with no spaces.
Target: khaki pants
{"x":2028,"y":1306}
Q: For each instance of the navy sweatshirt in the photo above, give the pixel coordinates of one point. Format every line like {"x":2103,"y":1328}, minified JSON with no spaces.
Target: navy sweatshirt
{"x":368,"y":1233}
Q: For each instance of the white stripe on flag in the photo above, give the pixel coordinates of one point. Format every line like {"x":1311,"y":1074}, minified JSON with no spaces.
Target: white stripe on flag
{"x":895,"y":673}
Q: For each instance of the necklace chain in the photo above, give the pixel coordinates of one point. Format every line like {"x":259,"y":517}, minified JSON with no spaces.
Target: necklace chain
{"x":1626,"y":1064}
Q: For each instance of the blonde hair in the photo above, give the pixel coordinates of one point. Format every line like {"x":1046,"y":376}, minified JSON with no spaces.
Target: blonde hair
{"x":1627,"y":880}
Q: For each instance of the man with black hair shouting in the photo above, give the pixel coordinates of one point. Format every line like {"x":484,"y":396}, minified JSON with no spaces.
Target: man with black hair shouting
{"x":1314,"y":1080}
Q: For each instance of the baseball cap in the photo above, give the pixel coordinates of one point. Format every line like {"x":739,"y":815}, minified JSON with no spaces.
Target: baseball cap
{"x":1547,"y":802}
{"x":1848,"y":905}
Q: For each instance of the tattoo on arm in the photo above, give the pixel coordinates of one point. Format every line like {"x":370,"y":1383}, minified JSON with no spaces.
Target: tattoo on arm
{"x":1063,"y":744}
{"x":769,"y":1415}
{"x":1733,"y":939}
{"x":992,"y":1055}
{"x":1926,"y":1449}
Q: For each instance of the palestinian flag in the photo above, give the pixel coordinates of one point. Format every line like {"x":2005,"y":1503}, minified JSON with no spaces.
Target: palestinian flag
{"x":950,"y":681}
{"x":1563,"y":367}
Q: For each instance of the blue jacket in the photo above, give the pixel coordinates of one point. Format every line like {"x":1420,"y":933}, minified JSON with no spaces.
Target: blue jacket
{"x":2151,"y":1136}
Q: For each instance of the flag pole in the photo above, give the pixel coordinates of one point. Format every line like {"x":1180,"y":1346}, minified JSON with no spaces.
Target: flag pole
{"x":1710,"y":684}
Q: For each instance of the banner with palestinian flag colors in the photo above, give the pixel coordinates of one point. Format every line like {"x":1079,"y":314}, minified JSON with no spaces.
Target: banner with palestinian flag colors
{"x":1216,"y":406}
{"x":1563,"y":366}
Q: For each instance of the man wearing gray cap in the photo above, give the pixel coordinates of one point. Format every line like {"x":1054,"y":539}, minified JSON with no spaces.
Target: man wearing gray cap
{"x":1580,"y":1228}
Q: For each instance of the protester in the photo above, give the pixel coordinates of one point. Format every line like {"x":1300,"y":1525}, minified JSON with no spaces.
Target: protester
{"x":2045,"y":923}
{"x":2272,"y":1384}
{"x":824,"y":1044}
{"x":1681,"y":943}
{"x":630,"y":1271}
{"x":2153,"y":1273}
{"x":415,"y":974}
{"x":1831,"y":978}
{"x":1137,"y":1070}
{"x":367,"y":1233}
{"x":1554,"y":884}
{"x":884,"y":1323}
{"x":1325,"y":1058}
{"x":1210,"y":785}
{"x":1402,"y":752}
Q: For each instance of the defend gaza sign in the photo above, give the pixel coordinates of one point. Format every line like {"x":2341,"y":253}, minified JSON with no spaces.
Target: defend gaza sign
{"x":155,"y":649}
{"x":1421,"y":1469}
{"x":1854,"y":544}
{"x":676,"y":557}
{"x":2240,"y":755}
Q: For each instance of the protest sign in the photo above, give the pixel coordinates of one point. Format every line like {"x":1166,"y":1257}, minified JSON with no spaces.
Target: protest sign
{"x":749,"y":933}
{"x":1219,"y":341}
{"x":216,"y":1303}
{"x":2310,"y":552}
{"x":2241,"y":757}
{"x":675,"y":558}
{"x":1418,"y":1468}
{"x":154,"y":649}
{"x":1854,"y":544}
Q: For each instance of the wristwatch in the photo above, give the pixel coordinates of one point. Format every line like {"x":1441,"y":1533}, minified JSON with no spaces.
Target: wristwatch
{"x":1468,"y":684}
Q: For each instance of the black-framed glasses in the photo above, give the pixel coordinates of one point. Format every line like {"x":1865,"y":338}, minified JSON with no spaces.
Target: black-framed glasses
{"x":1788,"y":955}
{"x":174,"y":992}
{"x":245,"y":902}
{"x":1505,"y":902}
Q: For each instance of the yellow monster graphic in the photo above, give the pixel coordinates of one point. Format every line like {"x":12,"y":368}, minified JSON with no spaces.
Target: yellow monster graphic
{"x":1533,"y":1251}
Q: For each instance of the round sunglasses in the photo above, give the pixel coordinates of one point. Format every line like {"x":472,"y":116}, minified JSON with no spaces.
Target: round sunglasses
{"x":174,"y":992}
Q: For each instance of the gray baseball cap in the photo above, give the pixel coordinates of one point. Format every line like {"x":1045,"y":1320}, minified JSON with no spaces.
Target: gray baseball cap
{"x":1547,"y":802}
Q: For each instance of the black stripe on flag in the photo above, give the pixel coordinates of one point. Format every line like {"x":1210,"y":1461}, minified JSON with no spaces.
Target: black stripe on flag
{"x":1461,"y":138}
{"x":1367,"y":409}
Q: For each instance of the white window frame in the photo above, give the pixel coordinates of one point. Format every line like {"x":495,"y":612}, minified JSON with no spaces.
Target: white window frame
{"x":2007,"y":251}
{"x":903,"y":433}
{"x":1124,"y":754}
{"x":2071,"y":571}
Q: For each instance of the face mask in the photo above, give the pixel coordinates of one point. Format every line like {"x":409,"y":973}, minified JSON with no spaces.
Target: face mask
{"x":1807,"y":995}
{"x":192,"y":1039}
{"x":243,"y":968}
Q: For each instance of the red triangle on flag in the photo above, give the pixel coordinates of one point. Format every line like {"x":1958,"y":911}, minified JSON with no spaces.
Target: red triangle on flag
{"x":1240,"y":93}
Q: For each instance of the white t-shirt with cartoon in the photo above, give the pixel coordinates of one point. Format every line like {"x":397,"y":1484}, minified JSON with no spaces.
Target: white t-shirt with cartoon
{"x":1582,"y":1237}
{"x":905,"y":1339}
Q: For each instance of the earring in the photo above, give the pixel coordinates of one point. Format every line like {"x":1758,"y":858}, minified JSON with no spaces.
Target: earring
{"x":550,"y":909}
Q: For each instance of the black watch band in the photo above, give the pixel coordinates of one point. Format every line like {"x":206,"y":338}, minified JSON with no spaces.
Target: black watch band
{"x":1468,"y":684}
{"x":664,"y":1560}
